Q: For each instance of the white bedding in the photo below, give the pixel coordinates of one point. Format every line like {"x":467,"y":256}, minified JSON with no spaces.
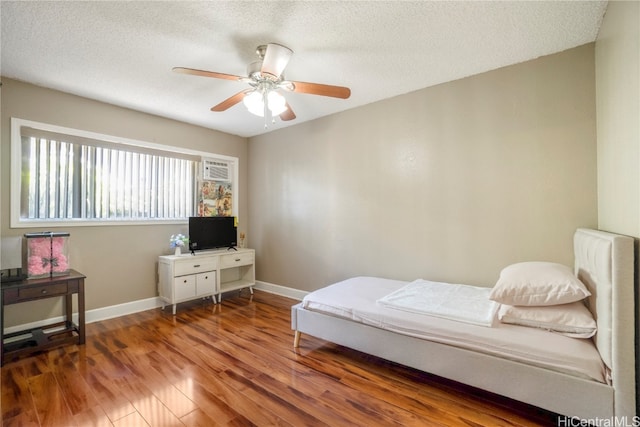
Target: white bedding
{"x":355,"y":299}
{"x":462,"y":303}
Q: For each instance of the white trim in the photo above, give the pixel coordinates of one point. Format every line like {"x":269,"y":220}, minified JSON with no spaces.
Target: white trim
{"x":123,"y":309}
{"x":283,"y":291}
{"x":18,"y":123}
{"x":16,"y":166}
{"x":95,"y":315}
{"x":132,"y":307}
{"x":15,"y":170}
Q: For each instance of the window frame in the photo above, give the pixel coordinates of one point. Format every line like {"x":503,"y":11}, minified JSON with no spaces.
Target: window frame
{"x":16,"y":173}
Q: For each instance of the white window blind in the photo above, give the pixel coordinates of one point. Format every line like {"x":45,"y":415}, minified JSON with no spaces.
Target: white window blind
{"x":75,"y":178}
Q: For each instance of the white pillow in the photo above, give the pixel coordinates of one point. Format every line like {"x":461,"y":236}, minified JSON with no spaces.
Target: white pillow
{"x":538,"y":283}
{"x":573,"y":320}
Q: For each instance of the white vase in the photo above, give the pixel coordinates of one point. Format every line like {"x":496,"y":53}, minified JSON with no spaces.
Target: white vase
{"x":178,"y":250}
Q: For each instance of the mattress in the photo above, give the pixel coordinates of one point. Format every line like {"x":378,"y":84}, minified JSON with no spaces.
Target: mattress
{"x":355,"y":299}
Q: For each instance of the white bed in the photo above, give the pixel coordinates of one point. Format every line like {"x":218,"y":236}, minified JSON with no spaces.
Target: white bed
{"x":598,"y":384}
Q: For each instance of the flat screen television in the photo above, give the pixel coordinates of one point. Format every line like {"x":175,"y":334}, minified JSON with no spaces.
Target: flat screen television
{"x":212,"y":232}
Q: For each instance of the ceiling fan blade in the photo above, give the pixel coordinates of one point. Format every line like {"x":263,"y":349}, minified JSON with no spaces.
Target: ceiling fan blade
{"x":203,"y":73}
{"x":323,"y":90}
{"x":275,"y":59}
{"x":231,"y":101}
{"x":288,"y":114}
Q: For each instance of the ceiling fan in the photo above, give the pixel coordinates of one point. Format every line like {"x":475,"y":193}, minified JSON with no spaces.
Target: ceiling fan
{"x":266,"y":78}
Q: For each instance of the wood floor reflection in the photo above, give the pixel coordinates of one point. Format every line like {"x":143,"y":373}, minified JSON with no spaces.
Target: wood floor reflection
{"x":233,"y":364}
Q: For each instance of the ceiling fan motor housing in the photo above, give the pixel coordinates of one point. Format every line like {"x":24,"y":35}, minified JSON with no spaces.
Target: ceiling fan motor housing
{"x":254,"y":71}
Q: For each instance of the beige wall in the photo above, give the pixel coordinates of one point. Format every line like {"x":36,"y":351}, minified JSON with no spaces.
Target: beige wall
{"x":119,"y":261}
{"x":450,"y":183}
{"x":618,"y":111}
{"x":618,"y":107}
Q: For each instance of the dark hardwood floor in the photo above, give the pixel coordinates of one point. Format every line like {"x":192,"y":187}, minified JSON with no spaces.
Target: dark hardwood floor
{"x":233,"y":364}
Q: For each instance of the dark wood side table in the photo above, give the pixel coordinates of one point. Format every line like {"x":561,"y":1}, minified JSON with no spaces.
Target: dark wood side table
{"x":30,"y":341}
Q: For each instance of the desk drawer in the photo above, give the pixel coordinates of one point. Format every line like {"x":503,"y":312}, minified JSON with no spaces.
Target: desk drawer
{"x":235,"y":260}
{"x":185,"y":287}
{"x":41,"y":291}
{"x":194,"y":266}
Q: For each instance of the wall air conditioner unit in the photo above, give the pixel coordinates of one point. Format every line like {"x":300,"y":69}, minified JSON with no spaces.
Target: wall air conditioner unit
{"x":216,"y":170}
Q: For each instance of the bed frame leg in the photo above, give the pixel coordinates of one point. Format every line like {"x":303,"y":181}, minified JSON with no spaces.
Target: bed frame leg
{"x":296,"y":339}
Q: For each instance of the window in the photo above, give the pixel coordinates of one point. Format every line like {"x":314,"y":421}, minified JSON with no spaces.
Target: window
{"x":68,"y":176}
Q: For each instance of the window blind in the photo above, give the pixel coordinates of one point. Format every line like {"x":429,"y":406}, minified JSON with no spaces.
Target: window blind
{"x":70,"y":177}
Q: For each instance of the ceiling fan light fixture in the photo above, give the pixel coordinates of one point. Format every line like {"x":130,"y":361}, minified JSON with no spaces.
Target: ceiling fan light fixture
{"x":276,"y":102}
{"x":254,"y":102}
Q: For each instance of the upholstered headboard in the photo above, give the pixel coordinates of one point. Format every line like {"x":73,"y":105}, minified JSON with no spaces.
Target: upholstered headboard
{"x":604,"y":262}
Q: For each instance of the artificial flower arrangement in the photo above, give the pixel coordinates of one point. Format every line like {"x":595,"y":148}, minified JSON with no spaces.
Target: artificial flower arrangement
{"x":178,"y":241}
{"x":47,"y":254}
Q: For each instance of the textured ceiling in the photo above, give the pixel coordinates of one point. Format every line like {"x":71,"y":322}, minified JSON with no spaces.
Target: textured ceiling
{"x":123,"y":52}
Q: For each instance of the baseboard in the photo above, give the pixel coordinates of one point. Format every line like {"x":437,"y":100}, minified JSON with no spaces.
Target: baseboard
{"x":283,"y":291}
{"x":132,"y":307}
{"x":112,"y":311}
{"x":95,"y":315}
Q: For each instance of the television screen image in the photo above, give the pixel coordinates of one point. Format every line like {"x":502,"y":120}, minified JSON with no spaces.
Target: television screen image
{"x":212,"y":232}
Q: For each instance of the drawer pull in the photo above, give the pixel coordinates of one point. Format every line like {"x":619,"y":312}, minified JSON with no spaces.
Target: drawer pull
{"x":237,"y":259}
{"x":185,"y":281}
{"x":196,"y":266}
{"x":44,"y":291}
